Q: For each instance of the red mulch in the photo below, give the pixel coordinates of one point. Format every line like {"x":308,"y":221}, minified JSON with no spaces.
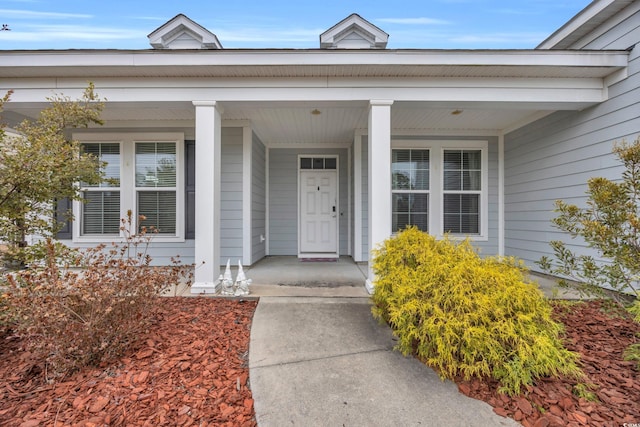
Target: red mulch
{"x":600,"y":338}
{"x":190,"y":369}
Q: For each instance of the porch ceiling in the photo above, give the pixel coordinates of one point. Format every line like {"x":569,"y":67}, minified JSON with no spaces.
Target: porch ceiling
{"x":280,"y":123}
{"x":299,"y":123}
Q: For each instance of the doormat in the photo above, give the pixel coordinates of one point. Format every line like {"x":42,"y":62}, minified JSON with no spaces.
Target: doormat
{"x":318,"y":259}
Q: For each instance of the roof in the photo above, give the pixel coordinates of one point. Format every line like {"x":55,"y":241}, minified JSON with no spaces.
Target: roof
{"x":354,"y":32}
{"x":588,"y":19}
{"x":357,"y":63}
{"x":180,"y":32}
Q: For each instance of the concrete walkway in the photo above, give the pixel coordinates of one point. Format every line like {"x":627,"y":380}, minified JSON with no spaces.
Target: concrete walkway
{"x":326,"y":362}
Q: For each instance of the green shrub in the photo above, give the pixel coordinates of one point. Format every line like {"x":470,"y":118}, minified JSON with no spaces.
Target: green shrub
{"x":465,"y":315}
{"x":632,"y":354}
{"x":73,"y":317}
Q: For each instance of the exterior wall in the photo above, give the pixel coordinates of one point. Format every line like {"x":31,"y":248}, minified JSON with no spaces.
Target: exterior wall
{"x":283,"y":198}
{"x":231,"y":196}
{"x":231,"y":203}
{"x":365,"y":199}
{"x":486,"y":247}
{"x":621,"y":32}
{"x":258,"y":200}
{"x":554,"y":157}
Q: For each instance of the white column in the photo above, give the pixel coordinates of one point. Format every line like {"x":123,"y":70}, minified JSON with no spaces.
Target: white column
{"x":379,"y":178}
{"x":501,"y":194}
{"x":208,"y":152}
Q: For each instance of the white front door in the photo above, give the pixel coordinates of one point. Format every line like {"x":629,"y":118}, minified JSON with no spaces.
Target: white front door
{"x":318,"y":213}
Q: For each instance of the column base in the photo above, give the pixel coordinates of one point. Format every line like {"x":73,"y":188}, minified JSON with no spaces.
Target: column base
{"x":369,"y":286}
{"x":199,"y":288}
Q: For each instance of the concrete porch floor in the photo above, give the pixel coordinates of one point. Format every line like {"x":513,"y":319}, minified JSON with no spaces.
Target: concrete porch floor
{"x":287,"y":276}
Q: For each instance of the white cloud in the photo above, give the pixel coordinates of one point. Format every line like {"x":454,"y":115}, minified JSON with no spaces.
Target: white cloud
{"x":29,"y":14}
{"x":414,"y":21}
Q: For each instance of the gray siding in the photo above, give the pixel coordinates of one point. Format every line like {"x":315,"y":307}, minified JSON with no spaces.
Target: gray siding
{"x":231,"y":196}
{"x":258,"y":199}
{"x":283,"y":198}
{"x":488,"y":247}
{"x":365,"y":198}
{"x":554,"y":157}
{"x":619,"y":33}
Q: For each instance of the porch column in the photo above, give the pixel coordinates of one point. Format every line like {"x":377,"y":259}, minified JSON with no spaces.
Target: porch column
{"x":379,"y":178}
{"x":207,"y":239}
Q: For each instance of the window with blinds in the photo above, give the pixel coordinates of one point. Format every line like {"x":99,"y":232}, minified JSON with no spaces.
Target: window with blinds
{"x":100,"y":210}
{"x":155,"y":185}
{"x":410,"y":189}
{"x":462,"y":189}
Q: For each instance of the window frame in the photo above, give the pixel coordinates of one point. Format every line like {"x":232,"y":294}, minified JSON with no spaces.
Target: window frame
{"x":79,"y":217}
{"x":128,"y":189}
{"x":436,"y":182}
{"x":427,"y":191}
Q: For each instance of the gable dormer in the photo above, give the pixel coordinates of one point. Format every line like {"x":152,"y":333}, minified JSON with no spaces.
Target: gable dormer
{"x":354,"y":32}
{"x":180,"y":32}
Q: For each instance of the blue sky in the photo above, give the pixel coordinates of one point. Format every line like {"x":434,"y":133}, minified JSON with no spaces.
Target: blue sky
{"x":432,"y":24}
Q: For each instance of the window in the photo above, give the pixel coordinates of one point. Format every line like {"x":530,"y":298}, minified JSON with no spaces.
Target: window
{"x":146,"y":177}
{"x":440,"y":187}
{"x":410,"y":189}
{"x":462,"y":188}
{"x":318,"y":162}
{"x":100,"y":211}
{"x":156,"y":185}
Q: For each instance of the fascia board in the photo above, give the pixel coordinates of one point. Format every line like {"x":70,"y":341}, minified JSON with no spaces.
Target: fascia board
{"x":312,"y":57}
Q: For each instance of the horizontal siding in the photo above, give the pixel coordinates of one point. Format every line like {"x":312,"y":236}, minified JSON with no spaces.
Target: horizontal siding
{"x":258,"y":199}
{"x":365,"y":198}
{"x":554,"y":157}
{"x":283,"y":198}
{"x":231,"y":196}
{"x":619,"y":34}
{"x":161,"y":253}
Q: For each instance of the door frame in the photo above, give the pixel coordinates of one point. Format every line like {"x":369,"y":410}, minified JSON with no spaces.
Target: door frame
{"x":299,"y":201}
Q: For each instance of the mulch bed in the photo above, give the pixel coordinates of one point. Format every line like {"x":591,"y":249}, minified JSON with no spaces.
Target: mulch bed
{"x":190,"y":369}
{"x":600,"y":337}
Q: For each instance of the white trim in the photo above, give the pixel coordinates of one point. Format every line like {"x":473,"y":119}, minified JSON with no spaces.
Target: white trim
{"x":592,"y":35}
{"x":267,"y":231}
{"x":166,"y":35}
{"x":208,"y":192}
{"x":357,"y":196}
{"x":436,"y":149}
{"x":247,"y":195}
{"x":424,"y":133}
{"x":299,"y":213}
{"x":574,"y":24}
{"x":378,"y":176}
{"x":354,"y":23}
{"x":501,"y":195}
{"x":349,"y":183}
{"x":127,"y":141}
{"x":334,"y":145}
{"x":139,"y":61}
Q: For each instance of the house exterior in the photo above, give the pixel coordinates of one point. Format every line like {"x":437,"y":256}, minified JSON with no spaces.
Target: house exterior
{"x":321,"y":153}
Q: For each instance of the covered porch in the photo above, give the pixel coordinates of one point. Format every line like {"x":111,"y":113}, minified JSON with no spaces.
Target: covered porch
{"x":251,"y":115}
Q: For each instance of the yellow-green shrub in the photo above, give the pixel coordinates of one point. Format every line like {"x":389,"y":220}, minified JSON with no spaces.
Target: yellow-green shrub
{"x":467,"y":315}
